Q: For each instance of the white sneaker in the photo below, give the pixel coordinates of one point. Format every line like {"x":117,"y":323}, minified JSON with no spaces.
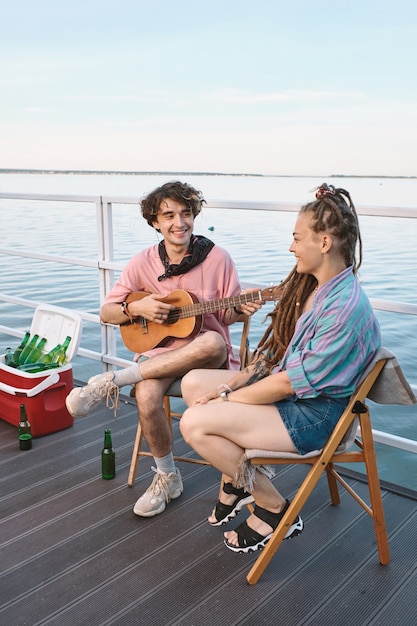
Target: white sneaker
{"x":82,"y":400}
{"x":164,"y":487}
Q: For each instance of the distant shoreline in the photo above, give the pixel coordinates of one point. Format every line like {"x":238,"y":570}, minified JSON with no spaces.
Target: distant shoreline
{"x":145,"y":173}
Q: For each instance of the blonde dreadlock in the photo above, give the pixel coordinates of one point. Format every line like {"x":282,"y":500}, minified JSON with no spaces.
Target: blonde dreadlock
{"x":294,"y":291}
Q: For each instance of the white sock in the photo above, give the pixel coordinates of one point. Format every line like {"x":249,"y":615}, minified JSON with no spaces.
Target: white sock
{"x":166,"y":464}
{"x":128,"y":376}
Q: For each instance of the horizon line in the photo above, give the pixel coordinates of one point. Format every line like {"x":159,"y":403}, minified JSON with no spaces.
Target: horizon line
{"x":186,"y":173}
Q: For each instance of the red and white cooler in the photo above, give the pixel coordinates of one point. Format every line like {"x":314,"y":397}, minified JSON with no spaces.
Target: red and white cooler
{"x":43,"y":393}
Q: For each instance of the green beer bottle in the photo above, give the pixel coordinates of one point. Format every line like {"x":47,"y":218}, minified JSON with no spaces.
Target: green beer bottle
{"x":24,"y":424}
{"x":9,"y":358}
{"x":20,"y":347}
{"x":32,"y":368}
{"x":108,"y":457}
{"x":28,"y":349}
{"x":57,"y":354}
{"x":23,"y":430}
{"x":35,"y":354}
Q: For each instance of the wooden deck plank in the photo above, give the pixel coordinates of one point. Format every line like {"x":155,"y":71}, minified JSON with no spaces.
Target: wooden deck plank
{"x":73,"y":552}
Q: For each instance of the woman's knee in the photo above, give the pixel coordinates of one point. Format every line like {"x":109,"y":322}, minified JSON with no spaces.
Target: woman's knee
{"x":190,"y":384}
{"x":187,"y":425}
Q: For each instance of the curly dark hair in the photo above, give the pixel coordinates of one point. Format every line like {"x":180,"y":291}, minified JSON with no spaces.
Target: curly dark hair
{"x":332,"y":213}
{"x":180,"y":192}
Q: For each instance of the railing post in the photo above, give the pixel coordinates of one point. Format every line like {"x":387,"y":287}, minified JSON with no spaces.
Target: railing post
{"x":104,"y":212}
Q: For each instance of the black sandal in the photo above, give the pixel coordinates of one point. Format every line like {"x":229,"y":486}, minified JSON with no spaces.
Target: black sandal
{"x":249,"y":540}
{"x":225,"y":512}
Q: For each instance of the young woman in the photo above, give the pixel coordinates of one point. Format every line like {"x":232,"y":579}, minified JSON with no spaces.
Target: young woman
{"x":323,"y":333}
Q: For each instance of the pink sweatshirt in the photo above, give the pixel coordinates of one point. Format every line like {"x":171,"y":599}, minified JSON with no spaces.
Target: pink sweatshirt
{"x":216,"y":277}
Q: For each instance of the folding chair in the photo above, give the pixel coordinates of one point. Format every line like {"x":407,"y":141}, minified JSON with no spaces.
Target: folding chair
{"x":174,"y":391}
{"x":323,"y":460}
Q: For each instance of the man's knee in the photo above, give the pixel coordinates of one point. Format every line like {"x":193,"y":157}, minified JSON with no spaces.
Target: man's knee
{"x":212,"y":339}
{"x":213,"y":345}
{"x":148,"y":395}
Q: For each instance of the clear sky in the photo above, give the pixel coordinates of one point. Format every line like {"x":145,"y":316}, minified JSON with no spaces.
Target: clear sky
{"x":292,"y":87}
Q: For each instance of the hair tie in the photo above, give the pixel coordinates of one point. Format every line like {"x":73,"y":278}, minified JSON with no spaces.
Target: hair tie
{"x":324,"y":190}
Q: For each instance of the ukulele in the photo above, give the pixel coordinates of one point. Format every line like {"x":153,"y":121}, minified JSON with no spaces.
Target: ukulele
{"x":140,"y":335}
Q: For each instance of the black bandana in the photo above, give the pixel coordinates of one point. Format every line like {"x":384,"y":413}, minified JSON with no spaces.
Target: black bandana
{"x":197,"y":251}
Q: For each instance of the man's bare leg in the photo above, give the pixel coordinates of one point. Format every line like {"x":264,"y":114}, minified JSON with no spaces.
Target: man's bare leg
{"x":205,"y":351}
{"x":149,"y":396}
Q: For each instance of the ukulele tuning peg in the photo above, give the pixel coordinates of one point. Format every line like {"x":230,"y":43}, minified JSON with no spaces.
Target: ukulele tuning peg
{"x":276,"y":291}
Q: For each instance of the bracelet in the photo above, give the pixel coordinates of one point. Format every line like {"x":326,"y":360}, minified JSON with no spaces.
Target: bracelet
{"x":225,"y":388}
{"x":125,"y":310}
{"x":236,"y":310}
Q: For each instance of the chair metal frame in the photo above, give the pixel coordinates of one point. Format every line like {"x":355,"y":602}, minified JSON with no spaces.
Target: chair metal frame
{"x":324,"y":461}
{"x":175,"y":392}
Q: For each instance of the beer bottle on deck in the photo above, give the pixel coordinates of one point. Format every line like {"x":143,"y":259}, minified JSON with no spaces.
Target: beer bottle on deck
{"x":20,"y":347}
{"x":24,"y":424}
{"x":28,"y":349}
{"x":108,"y":457}
{"x":23,"y":430}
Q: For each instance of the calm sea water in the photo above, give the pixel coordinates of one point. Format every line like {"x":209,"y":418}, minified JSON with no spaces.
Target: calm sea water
{"x":257,"y":242}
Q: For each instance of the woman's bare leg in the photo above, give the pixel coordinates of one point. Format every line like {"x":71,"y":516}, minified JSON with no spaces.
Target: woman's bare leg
{"x":220,"y":432}
{"x":198,"y":382}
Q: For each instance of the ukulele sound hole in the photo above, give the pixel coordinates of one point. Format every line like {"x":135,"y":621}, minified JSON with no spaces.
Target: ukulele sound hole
{"x":173,"y":316}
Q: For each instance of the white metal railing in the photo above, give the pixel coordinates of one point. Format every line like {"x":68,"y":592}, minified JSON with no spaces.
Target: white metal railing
{"x":106,"y":265}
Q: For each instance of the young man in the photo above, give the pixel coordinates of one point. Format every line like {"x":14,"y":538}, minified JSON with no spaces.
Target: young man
{"x":180,"y":261}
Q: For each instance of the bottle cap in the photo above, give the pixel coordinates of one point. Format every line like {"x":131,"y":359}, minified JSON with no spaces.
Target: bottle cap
{"x":25,"y":441}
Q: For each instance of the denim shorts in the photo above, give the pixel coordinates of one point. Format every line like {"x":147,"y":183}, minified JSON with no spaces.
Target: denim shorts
{"x":310,"y":421}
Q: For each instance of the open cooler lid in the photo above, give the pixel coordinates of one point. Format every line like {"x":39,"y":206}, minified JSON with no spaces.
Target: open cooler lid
{"x":56,"y":323}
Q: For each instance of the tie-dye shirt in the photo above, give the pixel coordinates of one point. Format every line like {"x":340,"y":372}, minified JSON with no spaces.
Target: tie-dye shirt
{"x":333,"y":342}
